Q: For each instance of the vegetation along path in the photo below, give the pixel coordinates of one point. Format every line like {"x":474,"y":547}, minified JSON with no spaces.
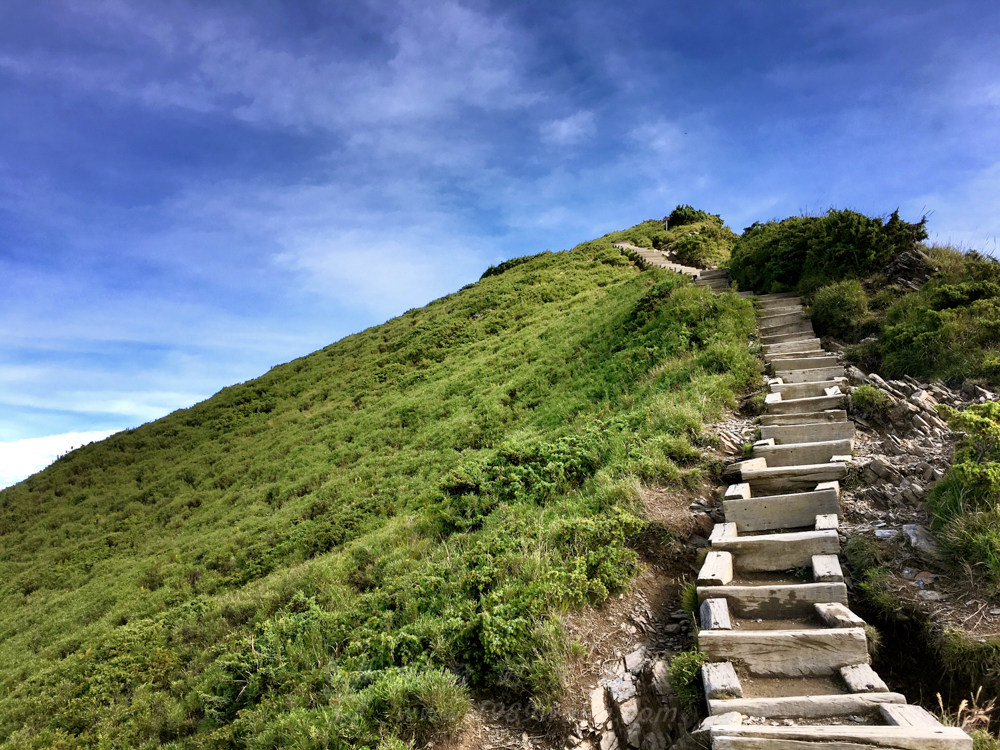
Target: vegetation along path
{"x":786,"y":661}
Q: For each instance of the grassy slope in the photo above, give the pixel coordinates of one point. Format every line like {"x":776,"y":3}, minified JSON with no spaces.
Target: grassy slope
{"x":338,"y":550}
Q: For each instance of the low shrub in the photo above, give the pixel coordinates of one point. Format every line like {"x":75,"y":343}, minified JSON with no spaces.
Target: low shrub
{"x":871,"y":403}
{"x":683,"y":677}
{"x":950,"y":328}
{"x":704,"y":244}
{"x":838,"y":309}
{"x":684,"y":215}
{"x":805,"y":252}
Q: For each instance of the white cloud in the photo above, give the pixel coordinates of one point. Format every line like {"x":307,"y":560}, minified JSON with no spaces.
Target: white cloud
{"x":22,"y":458}
{"x":569,"y":130}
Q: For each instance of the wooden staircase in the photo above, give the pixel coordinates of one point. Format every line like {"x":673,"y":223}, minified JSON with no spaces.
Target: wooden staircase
{"x":717,"y":279}
{"x":782,"y":644}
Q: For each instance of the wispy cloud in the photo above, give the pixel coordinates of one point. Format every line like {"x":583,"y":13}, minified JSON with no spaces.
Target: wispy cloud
{"x":20,"y":459}
{"x":569,"y":130}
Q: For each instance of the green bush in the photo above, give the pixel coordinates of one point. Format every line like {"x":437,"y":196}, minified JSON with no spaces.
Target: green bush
{"x":703,"y":244}
{"x":684,"y":215}
{"x":965,"y":505}
{"x":805,"y":252}
{"x":871,"y":403}
{"x":683,"y":678}
{"x":838,"y":309}
{"x":951,"y":327}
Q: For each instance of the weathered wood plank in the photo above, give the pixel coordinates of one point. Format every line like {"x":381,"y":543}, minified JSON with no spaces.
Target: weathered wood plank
{"x":811,"y":375}
{"x":777,"y":601}
{"x":908,"y":716}
{"x":806,"y":405}
{"x":828,"y":415}
{"x":788,"y":653}
{"x":781,"y":551}
{"x":788,"y":479}
{"x":788,"y":332}
{"x":720,"y":681}
{"x":792,"y":391}
{"x":806,"y":362}
{"x":805,"y":706}
{"x":838,"y":616}
{"x":904,"y":738}
{"x":814,"y":432}
{"x":717,"y":569}
{"x":774,"y":512}
{"x":861,"y":678}
{"x":714,"y":615}
{"x":799,"y":454}
{"x":768,"y":322}
{"x":826,"y":568}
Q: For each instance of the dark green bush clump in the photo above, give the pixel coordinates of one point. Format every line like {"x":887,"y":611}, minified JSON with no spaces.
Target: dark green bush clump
{"x":965,"y":505}
{"x":805,"y":252}
{"x":683,"y":678}
{"x":839,"y":309}
{"x":683,"y":215}
{"x":703,"y":244}
{"x":951,"y":327}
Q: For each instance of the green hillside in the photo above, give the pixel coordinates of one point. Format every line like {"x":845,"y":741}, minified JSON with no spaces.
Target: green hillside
{"x":343,"y":549}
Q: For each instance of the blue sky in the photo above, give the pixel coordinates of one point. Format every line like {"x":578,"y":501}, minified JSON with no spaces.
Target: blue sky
{"x":193,"y":192}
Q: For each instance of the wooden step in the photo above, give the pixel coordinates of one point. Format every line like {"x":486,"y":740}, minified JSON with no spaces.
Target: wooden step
{"x":772,"y":338}
{"x":787,"y":653}
{"x":767,"y":299}
{"x":778,"y":310}
{"x":779,"y":366}
{"x":837,"y":737}
{"x":779,"y":333}
{"x":791,"y":391}
{"x":789,"y":479}
{"x":777,"y":601}
{"x":811,"y":375}
{"x":805,"y":706}
{"x":768,"y":321}
{"x":775,"y":512}
{"x":806,"y":405}
{"x":781,"y":551}
{"x":827,"y":415}
{"x":909,"y":716}
{"x":799,"y":454}
{"x":808,"y":342}
{"x":810,"y":432}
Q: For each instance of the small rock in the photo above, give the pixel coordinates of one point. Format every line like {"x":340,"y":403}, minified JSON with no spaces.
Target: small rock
{"x":921,"y":540}
{"x":598,"y":709}
{"x":930,"y":596}
{"x":885,"y":533}
{"x":633,"y":661}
